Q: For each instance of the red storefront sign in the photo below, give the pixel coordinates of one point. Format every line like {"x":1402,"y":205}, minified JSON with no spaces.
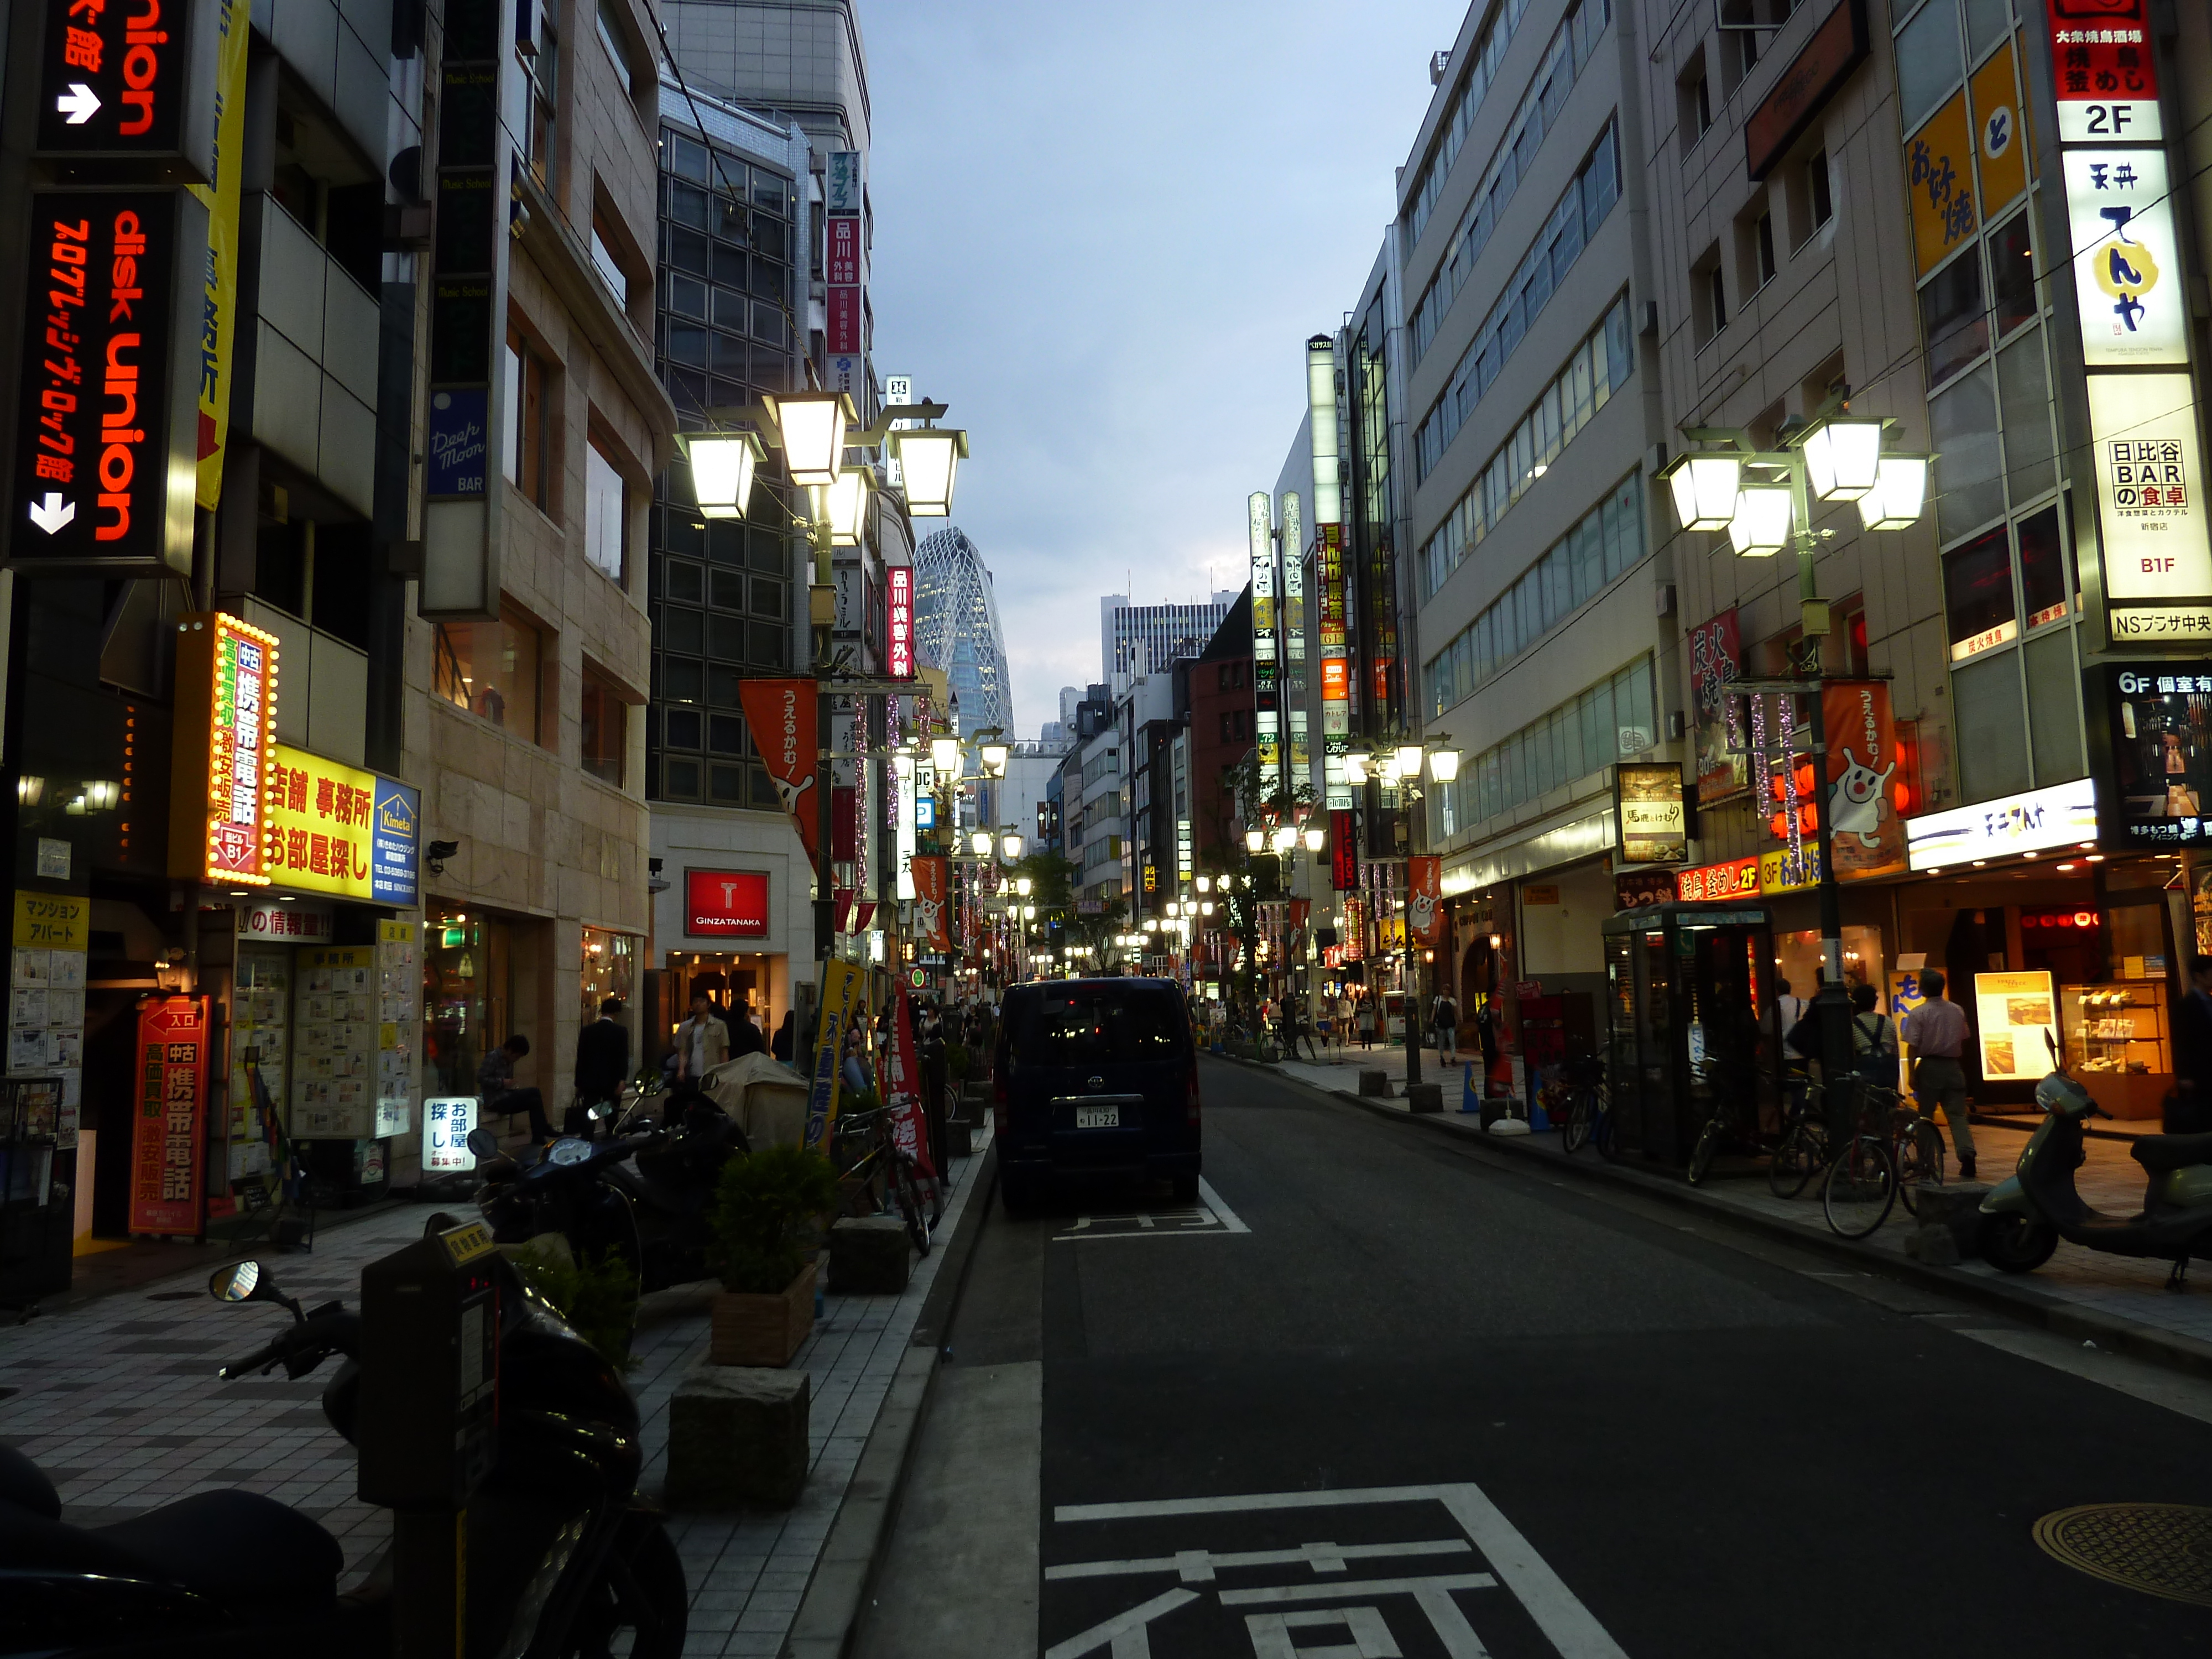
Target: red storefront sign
{"x":1343,"y":850}
{"x":223,"y":750}
{"x":172,"y":1104}
{"x":725,"y":904}
{"x":781,"y":714}
{"x":842,"y":250}
{"x":1708,"y":884}
{"x":844,"y":321}
{"x":899,"y":605}
{"x":135,"y":79}
{"x":2107,"y":76}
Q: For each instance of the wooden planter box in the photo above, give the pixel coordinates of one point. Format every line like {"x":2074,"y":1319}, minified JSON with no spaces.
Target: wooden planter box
{"x":753,"y":1329}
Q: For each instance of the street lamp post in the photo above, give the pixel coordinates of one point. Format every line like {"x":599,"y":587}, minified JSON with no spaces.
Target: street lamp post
{"x":1764,"y":499}
{"x":1401,"y":762}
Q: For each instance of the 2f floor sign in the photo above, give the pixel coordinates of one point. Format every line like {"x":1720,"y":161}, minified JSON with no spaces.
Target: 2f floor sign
{"x":1377,"y":1572}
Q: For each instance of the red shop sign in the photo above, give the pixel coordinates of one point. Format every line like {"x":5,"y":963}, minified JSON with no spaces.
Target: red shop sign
{"x":171,"y":1106}
{"x":725,"y":904}
{"x":1707,"y":883}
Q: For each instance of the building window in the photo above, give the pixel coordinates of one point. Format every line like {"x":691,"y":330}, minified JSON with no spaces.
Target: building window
{"x":606,"y":729}
{"x":606,"y":512}
{"x":490,"y":668}
{"x":1978,"y":595}
{"x":1764,"y":230}
{"x":527,"y":451}
{"x":615,"y":39}
{"x":1953,"y":318}
{"x":1694,"y":97}
{"x":1817,"y":190}
{"x":604,"y":262}
{"x":538,"y":57}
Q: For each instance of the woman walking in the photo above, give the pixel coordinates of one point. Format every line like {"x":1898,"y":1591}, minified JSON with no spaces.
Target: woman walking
{"x":1367,"y":1021}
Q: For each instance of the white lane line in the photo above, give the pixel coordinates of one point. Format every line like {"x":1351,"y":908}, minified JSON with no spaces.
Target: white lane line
{"x":1120,"y":1629}
{"x":1213,"y":1202}
{"x":1198,"y":1566}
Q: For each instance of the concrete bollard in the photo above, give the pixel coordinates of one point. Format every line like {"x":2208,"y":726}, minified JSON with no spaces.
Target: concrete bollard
{"x":869,"y":1255}
{"x":1424,"y":1096}
{"x":737,"y":1436}
{"x":1375,"y":1081}
{"x":1956,"y":1210}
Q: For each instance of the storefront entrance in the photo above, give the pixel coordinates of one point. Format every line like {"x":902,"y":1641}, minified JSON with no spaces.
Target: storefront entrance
{"x":468,"y":995}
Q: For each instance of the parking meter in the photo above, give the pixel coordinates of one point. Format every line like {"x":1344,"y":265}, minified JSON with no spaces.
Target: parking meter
{"x":427,"y":1419}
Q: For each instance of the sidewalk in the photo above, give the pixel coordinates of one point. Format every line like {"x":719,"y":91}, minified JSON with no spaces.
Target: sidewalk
{"x":120,"y":1403}
{"x":2098,"y":1290}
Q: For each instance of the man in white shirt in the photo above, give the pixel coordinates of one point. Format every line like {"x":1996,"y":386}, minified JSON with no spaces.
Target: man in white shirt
{"x":702,"y":1042}
{"x":1935,"y":1032}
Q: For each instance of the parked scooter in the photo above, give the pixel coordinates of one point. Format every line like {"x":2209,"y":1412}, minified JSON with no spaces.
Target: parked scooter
{"x":563,"y":1557}
{"x":645,"y":1193}
{"x":2024,"y":1218}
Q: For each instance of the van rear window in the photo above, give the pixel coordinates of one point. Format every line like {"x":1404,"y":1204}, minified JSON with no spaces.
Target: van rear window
{"x":1096,"y":1025}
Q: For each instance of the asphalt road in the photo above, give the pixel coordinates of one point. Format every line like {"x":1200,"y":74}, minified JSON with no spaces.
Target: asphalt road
{"x":1388,"y":1395}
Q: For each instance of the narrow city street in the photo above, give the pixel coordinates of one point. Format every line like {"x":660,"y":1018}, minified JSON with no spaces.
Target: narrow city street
{"x":1384,"y":1393}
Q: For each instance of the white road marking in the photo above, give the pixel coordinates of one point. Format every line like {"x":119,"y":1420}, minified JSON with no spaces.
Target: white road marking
{"x":1211,"y":1217}
{"x":1125,"y":1631}
{"x":1247,"y":1598}
{"x":1565,"y":1621}
{"x":1213,"y":1202}
{"x":1198,"y":1566}
{"x":1370,"y":1636}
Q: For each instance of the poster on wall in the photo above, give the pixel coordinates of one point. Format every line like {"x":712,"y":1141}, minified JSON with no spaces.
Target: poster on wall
{"x":2158,"y":559}
{"x":1865,"y":834}
{"x":2151,"y":732}
{"x":2019,"y":1017}
{"x":166,"y":1135}
{"x":1716,"y":649}
{"x":1649,"y":814}
{"x":2128,"y":283}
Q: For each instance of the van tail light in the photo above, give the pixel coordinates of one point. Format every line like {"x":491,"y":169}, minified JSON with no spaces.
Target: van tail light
{"x":999,"y":1103}
{"x":1191,"y":1099}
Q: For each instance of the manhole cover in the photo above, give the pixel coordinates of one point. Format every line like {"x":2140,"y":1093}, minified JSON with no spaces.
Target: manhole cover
{"x":2163,"y":1549}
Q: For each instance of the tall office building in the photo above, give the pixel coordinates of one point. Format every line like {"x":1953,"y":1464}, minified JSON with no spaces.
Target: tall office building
{"x":1144,"y":639}
{"x":955,"y":628}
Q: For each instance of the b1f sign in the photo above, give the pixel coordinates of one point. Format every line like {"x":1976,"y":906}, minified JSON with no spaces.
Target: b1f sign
{"x":447,"y":1121}
{"x":2158,"y":561}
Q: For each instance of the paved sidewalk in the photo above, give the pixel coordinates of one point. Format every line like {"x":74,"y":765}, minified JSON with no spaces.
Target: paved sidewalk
{"x":120,"y":1403}
{"x":2114,"y":1287}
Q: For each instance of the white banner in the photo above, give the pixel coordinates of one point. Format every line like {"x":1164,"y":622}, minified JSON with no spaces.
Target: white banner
{"x":2127,"y":280}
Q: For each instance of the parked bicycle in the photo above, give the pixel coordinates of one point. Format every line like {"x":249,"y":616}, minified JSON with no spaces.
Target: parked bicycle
{"x":1916,"y":1146}
{"x":1803,"y":1146}
{"x":876,"y":1176}
{"x":1583,"y":1108}
{"x":1861,"y":1184}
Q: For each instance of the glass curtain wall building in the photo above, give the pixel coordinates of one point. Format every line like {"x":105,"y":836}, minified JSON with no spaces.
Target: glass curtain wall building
{"x":724,"y":598}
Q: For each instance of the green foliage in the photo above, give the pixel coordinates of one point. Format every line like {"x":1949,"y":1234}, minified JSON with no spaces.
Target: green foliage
{"x":957,"y":1060}
{"x":760,"y":1205}
{"x":597,"y":1297}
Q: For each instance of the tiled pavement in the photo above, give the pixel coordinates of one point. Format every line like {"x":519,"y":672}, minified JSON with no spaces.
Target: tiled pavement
{"x":2116,"y":1286}
{"x":118,"y":1400}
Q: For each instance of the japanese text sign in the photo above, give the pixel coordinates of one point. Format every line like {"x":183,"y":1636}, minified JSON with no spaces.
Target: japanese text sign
{"x":321,"y":815}
{"x":1705,"y":884}
{"x":1939,"y":177}
{"x":898,"y":602}
{"x":2158,"y":562}
{"x":171,"y":1098}
{"x":2107,"y":90}
{"x":2152,"y":763}
{"x":2127,"y":273}
{"x":222,"y":750}
{"x":132,"y":79}
{"x":447,"y":1121}
{"x":725,"y":904}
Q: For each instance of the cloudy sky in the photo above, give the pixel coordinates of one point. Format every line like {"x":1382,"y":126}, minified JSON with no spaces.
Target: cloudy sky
{"x":1103,"y":236}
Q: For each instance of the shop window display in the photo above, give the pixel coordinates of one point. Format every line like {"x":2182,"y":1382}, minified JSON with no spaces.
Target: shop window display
{"x":468,"y":1005}
{"x":610,"y":970}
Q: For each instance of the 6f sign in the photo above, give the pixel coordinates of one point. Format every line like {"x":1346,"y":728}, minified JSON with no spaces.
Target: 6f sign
{"x":132,"y":79}
{"x":105,"y":456}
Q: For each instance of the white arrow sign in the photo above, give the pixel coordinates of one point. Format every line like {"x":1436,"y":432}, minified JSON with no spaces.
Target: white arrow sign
{"x":79,"y":104}
{"x":52,"y":514}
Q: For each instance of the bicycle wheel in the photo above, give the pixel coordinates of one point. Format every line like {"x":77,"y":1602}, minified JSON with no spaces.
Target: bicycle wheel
{"x":1795,"y":1156}
{"x":1575,"y":1128}
{"x":1707,"y":1149}
{"x":1860,"y":1188}
{"x":1919,"y":1159}
{"x":909,"y":1205}
{"x":1605,"y":1134}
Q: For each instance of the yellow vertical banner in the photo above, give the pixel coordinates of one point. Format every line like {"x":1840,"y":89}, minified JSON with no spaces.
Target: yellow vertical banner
{"x":1939,"y":178}
{"x":2000,"y":140}
{"x":219,"y":307}
{"x":840,"y":996}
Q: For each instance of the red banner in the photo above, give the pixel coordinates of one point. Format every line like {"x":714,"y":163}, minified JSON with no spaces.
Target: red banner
{"x":1715,"y":648}
{"x":902,"y":1092}
{"x":1343,"y":850}
{"x":844,"y":318}
{"x":166,"y":1137}
{"x":782,"y":715}
{"x":1424,"y":908}
{"x":1866,"y":833}
{"x":929,"y":918}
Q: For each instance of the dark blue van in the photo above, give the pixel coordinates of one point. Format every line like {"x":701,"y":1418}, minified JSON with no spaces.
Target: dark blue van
{"x":1095,"y":1077}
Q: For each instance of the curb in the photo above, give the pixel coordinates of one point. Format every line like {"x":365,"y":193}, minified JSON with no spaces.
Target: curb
{"x":829,"y":1612}
{"x":2066,"y":1319}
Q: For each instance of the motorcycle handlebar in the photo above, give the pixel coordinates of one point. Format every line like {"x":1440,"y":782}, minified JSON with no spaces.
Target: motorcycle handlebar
{"x":300,"y":1347}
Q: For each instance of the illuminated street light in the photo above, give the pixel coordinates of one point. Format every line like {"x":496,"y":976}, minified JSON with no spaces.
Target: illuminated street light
{"x":1254,"y":839}
{"x":1842,"y":457}
{"x":1011,"y":845}
{"x":929,"y":461}
{"x":1443,"y":764}
{"x":1704,"y":487}
{"x":979,"y":843}
{"x":722,"y":467}
{"x":1760,"y":528}
{"x":1900,"y":491}
{"x":944,"y":754}
{"x":812,"y":425}
{"x":1316,"y":838}
{"x":848,"y":507}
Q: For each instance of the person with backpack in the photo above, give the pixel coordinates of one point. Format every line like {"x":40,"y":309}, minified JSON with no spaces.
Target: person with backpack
{"x":1443,"y":1015}
{"x":1874,"y":1037}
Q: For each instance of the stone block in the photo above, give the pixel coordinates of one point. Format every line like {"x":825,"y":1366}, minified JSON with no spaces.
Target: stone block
{"x":1424,"y":1098}
{"x":959,"y":1138}
{"x":1374,"y":1080}
{"x":1957,"y":1208}
{"x":869,"y":1255}
{"x":1932,"y":1243}
{"x":737,"y":1436}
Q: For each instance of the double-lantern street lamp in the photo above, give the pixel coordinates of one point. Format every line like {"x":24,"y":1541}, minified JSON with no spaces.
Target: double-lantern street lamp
{"x":1764,"y":500}
{"x":1401,"y":763}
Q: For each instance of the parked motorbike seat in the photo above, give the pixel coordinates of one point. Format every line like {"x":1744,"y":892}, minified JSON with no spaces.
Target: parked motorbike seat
{"x":2161,"y":1153}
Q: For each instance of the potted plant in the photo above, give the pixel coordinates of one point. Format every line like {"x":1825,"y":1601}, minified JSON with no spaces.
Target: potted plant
{"x":761,"y":1206}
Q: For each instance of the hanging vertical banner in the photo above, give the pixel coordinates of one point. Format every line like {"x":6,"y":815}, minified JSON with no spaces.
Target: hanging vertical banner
{"x":223,"y":750}
{"x":903,"y":1089}
{"x":1343,"y":850}
{"x":1715,"y":648}
{"x":170,"y":1092}
{"x":781,"y":714}
{"x":842,"y":255}
{"x":1267,"y":728}
{"x":929,"y":918}
{"x":2100,"y":52}
{"x":1866,"y":833}
{"x":2000,"y":138}
{"x":1424,"y":909}
{"x":840,"y":991}
{"x":899,"y":605}
{"x":1294,"y":597}
{"x":219,"y":297}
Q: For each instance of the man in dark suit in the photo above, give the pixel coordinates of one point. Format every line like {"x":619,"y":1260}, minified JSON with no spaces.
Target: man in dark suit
{"x":602,"y":1064}
{"x":2189,"y":1108}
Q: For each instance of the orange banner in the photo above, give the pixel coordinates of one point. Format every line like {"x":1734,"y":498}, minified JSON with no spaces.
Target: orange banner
{"x":165,"y":1138}
{"x":1424,"y":897}
{"x":781,"y":714}
{"x":1865,"y":834}
{"x":929,"y":919}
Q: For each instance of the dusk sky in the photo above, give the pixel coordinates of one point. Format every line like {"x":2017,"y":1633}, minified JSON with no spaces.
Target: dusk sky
{"x":1103,"y":236}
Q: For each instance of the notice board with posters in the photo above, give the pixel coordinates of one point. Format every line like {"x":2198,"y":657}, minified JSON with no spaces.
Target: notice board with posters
{"x":334,"y":1048}
{"x":2019,"y":1016}
{"x":2150,"y":737}
{"x":168,"y":1126}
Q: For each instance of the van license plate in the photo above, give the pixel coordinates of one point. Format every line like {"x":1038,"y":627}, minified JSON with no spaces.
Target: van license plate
{"x":1099,"y":1117}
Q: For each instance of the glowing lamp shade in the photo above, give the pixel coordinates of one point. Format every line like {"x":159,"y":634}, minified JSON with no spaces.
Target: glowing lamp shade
{"x":1316,"y":839}
{"x":1023,"y":884}
{"x":1443,"y":764}
{"x":980,"y":843}
{"x":848,"y":507}
{"x":1760,"y":528}
{"x":722,"y":466}
{"x":1705,"y":489}
{"x":1356,"y":764}
{"x":1011,"y":845}
{"x":1899,"y":492}
{"x":1409,"y":760}
{"x":812,"y":425}
{"x":1285,"y":839}
{"x":944,"y":754}
{"x":1842,"y":459}
{"x":902,"y":764}
{"x":1255,"y":839}
{"x":929,"y":460}
{"x":994,"y":759}
{"x":1204,"y":884}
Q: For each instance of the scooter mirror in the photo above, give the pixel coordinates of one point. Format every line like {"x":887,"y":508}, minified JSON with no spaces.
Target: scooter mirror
{"x":243,"y":1281}
{"x":601,"y":1111}
{"x":484,"y":1143}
